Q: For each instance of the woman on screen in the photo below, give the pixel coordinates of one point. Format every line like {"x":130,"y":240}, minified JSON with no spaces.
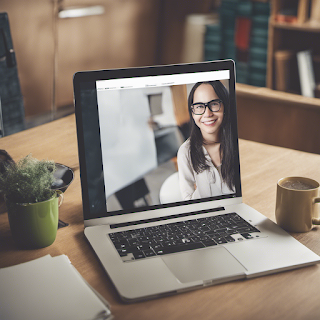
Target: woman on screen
{"x":206,"y":161}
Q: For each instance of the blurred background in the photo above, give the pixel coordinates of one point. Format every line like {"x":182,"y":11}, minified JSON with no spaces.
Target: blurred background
{"x":276,"y":46}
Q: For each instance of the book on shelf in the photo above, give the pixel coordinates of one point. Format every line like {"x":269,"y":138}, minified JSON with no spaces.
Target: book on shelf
{"x":212,"y":42}
{"x":303,"y":11}
{"x":315,"y":13}
{"x":194,"y":36}
{"x":259,"y":44}
{"x":306,"y":73}
{"x":228,"y":11}
{"x":287,"y":15}
{"x":283,"y":68}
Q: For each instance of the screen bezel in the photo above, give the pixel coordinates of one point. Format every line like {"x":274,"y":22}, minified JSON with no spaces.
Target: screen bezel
{"x":88,"y":79}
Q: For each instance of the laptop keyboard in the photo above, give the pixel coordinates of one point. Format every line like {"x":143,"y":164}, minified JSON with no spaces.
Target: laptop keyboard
{"x":182,"y":236}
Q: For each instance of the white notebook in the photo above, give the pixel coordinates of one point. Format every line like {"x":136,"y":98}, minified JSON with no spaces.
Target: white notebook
{"x":48,"y":288}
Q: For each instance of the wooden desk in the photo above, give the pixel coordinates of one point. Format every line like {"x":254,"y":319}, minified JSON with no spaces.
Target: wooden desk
{"x":288,"y":295}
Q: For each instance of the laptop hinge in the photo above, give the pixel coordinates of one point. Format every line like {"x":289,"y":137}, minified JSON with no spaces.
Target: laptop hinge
{"x":174,"y":216}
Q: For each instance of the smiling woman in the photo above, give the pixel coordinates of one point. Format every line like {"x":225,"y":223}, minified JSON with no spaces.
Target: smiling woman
{"x":207,"y":112}
{"x":206,"y":161}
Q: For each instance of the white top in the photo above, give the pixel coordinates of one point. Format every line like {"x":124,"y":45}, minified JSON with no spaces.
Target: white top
{"x":208,"y":183}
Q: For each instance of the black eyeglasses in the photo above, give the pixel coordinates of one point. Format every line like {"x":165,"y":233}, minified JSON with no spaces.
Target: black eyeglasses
{"x":199,"y":108}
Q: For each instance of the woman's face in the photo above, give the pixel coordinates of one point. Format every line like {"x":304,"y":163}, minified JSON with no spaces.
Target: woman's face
{"x":209,"y":122}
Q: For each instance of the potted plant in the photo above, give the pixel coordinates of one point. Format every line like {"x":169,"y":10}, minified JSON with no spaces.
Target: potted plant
{"x":32,"y":205}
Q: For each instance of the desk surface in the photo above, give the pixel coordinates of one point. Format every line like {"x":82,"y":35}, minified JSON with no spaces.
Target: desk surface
{"x":287,"y":295}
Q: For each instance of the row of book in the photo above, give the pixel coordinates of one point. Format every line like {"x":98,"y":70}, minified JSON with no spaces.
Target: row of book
{"x":241,"y":34}
{"x":297,"y":72}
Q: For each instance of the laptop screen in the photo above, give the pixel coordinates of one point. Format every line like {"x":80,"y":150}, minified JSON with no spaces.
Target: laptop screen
{"x":156,"y":137}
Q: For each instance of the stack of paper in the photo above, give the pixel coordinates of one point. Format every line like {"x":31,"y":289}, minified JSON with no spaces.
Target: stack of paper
{"x":48,"y":288}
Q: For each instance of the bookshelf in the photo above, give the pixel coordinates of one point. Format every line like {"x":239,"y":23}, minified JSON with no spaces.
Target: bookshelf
{"x":241,"y":34}
{"x":294,"y":26}
{"x":292,"y":119}
{"x":266,"y":114}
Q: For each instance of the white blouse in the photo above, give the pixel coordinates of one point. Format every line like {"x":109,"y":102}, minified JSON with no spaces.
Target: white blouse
{"x":208,"y":183}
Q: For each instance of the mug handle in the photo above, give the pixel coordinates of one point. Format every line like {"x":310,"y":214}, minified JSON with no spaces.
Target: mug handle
{"x":60,"y":194}
{"x":316,"y":220}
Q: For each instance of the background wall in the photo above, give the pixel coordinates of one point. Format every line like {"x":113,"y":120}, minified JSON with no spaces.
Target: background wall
{"x":140,"y":33}
{"x":129,"y":33}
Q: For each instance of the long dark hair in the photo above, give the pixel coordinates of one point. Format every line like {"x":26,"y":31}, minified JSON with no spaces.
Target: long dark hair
{"x":226,"y":137}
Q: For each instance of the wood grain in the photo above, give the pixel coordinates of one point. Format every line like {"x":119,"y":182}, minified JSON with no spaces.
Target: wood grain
{"x":287,"y":295}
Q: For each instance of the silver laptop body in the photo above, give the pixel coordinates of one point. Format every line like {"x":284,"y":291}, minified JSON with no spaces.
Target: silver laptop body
{"x":129,"y":130}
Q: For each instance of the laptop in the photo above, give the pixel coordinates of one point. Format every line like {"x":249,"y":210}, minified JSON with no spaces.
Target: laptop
{"x":151,"y":238}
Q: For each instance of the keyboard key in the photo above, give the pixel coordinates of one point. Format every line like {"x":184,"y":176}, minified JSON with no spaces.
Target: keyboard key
{"x":211,"y":233}
{"x":219,"y":240}
{"x":157,"y":247}
{"x":133,"y":242}
{"x":143,"y":246}
{"x":209,"y":243}
{"x":149,"y":253}
{"x":222,"y":230}
{"x":121,"y":245}
{"x":168,"y":243}
{"x":132,"y":249}
{"x":204,"y":238}
{"x":229,"y":239}
{"x":138,"y":255}
{"x":244,"y":229}
{"x":122,"y":252}
{"x":247,"y":235}
{"x":186,"y":247}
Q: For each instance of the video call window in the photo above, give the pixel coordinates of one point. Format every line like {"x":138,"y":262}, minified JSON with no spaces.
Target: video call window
{"x":141,"y":132}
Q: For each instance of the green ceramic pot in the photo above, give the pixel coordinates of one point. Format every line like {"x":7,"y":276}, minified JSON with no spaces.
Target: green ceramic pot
{"x":34,"y":225}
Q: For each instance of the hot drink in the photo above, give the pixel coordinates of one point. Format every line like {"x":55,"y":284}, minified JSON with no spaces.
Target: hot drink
{"x":297,"y":185}
{"x":296,"y":209}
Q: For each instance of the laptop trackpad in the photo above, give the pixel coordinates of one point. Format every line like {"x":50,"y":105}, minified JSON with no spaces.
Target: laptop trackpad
{"x":206,"y":264}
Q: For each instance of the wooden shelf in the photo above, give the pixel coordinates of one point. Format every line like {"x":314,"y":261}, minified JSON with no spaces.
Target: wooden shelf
{"x":287,"y":39}
{"x":306,"y":26}
{"x":266,"y":94}
{"x":283,"y":118}
{"x":278,"y":118}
